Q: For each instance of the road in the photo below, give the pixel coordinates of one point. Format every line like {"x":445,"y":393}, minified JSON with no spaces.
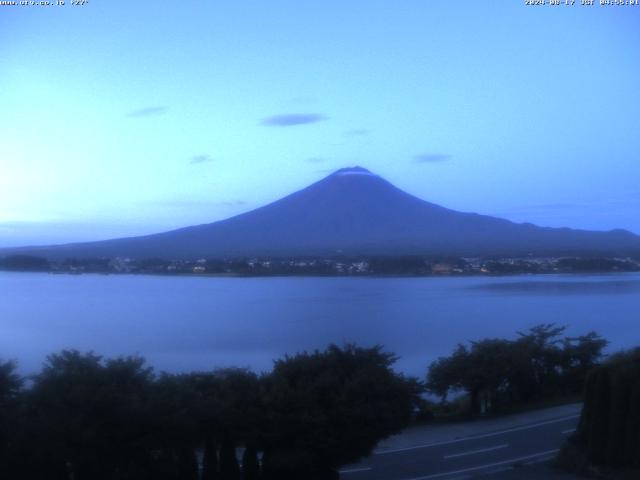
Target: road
{"x":520,"y":440}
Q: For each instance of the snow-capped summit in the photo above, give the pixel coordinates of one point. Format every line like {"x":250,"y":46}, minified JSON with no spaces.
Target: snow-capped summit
{"x":353,"y":171}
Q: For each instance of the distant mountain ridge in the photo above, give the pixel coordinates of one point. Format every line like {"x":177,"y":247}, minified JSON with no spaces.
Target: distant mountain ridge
{"x":355,"y":212}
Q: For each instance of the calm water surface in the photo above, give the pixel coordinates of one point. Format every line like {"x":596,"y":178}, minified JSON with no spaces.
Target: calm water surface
{"x":187,"y":323}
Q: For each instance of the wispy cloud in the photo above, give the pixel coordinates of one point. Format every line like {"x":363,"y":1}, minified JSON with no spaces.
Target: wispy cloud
{"x":196,"y":159}
{"x":431,"y":157}
{"x":148,"y":112}
{"x":292,"y":119}
{"x":357,"y":132}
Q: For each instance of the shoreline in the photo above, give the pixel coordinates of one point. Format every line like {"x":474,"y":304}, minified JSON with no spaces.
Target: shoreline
{"x":327,"y":275}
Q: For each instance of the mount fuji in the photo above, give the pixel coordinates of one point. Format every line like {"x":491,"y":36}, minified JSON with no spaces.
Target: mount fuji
{"x":352,"y":211}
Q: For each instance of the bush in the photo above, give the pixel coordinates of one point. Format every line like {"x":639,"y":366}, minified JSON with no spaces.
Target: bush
{"x":90,"y":418}
{"x":332,"y":407}
{"x":609,"y":428}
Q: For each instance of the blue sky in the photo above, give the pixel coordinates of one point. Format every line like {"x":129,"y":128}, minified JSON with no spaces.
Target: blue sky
{"x":122,"y":118}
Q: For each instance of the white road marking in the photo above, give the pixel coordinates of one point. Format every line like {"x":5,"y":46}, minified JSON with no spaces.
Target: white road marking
{"x":476,"y":437}
{"x":489,"y":465}
{"x":472,"y":452}
{"x":355,"y":470}
{"x":571,"y":430}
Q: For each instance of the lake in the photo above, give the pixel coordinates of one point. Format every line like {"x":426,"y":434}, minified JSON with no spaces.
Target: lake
{"x":191,"y":323}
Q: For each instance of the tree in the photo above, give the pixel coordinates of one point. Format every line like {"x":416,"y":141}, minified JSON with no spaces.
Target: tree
{"x":538,"y":364}
{"x":10,"y":383}
{"x":447,"y":373}
{"x":541,"y":346}
{"x":609,"y":427}
{"x":331,"y":408}
{"x":488,"y":373}
{"x":10,"y":388}
{"x":91,"y":416}
{"x":175,"y":427}
{"x":210,"y":460}
{"x":229,"y":467}
{"x":579,"y":356}
{"x":229,"y":410}
{"x":483,"y":371}
{"x":250,"y":464}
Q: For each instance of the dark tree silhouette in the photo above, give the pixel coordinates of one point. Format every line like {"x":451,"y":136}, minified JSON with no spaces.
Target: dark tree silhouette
{"x":537,"y":365}
{"x":250,"y":464}
{"x":89,"y":418}
{"x":210,"y":460}
{"x":230,"y":410}
{"x":609,"y":428}
{"x":331,"y":408}
{"x":229,"y":467}
{"x":91,"y":415}
{"x":10,"y":389}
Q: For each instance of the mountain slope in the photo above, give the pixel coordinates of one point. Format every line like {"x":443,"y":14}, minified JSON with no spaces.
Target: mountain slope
{"x":354,"y":211}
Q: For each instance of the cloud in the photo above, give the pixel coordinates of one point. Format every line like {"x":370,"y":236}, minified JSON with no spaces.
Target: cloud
{"x":357,"y":132}
{"x":196,"y":159}
{"x":431,"y":157}
{"x":148,"y":112}
{"x":315,"y":160}
{"x":292,"y":119}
